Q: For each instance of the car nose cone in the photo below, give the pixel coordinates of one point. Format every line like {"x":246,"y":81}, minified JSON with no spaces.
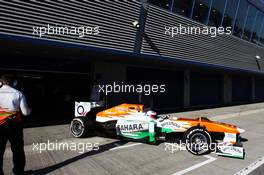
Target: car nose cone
{"x":240,"y":130}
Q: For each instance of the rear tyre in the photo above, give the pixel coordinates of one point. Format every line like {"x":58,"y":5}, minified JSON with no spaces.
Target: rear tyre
{"x":81,"y":127}
{"x":198,"y":141}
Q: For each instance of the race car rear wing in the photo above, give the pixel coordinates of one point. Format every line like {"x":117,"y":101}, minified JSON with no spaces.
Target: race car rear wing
{"x":82,"y":108}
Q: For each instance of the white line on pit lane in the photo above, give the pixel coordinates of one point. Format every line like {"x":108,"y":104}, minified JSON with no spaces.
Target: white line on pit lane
{"x":251,"y":167}
{"x":209,"y":160}
{"x":125,"y":146}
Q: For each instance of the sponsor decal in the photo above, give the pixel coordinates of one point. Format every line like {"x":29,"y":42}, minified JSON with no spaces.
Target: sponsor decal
{"x":82,"y":108}
{"x":170,"y":124}
{"x":130,"y":127}
{"x":231,"y":149}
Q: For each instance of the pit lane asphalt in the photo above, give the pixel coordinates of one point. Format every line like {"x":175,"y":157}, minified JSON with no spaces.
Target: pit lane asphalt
{"x":121,"y":157}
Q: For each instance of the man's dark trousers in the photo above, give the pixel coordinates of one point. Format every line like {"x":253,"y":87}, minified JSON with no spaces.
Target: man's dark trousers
{"x":13,"y":132}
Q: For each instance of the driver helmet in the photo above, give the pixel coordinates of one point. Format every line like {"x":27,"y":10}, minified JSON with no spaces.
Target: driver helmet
{"x":152,"y":114}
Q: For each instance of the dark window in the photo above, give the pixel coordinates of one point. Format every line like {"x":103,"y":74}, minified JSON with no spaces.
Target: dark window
{"x":183,"y":7}
{"x":201,"y":10}
{"x":216,"y":13}
{"x":241,"y":88}
{"x":262,"y":37}
{"x":205,"y":83}
{"x":249,"y":23}
{"x":230,"y":13}
{"x":240,"y":20}
{"x":257,"y":28}
{"x":161,"y":3}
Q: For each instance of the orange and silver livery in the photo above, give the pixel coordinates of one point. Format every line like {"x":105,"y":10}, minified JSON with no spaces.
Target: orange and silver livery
{"x":135,"y":111}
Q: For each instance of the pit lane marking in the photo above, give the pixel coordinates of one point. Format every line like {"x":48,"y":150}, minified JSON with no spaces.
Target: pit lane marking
{"x":191,"y":168}
{"x":251,"y":167}
{"x":125,"y":146}
{"x":209,"y":159}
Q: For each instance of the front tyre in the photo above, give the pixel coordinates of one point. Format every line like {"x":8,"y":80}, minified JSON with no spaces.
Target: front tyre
{"x":81,"y":127}
{"x":198,"y":141}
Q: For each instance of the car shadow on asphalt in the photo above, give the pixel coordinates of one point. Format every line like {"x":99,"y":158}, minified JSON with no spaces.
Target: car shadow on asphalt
{"x":54,"y":167}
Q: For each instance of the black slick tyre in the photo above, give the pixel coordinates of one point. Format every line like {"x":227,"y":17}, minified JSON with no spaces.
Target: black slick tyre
{"x":198,"y":141}
{"x":81,"y":127}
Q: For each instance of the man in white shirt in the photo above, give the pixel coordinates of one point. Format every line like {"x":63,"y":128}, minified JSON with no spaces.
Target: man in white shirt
{"x":13,"y":103}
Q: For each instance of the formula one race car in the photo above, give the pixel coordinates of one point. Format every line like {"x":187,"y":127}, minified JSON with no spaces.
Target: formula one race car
{"x":133,"y":122}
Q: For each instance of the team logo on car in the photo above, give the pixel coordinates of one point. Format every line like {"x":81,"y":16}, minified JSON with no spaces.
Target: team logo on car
{"x":170,"y":124}
{"x":130,"y":127}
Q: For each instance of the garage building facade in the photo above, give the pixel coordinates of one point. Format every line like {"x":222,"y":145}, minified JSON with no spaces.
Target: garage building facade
{"x":198,"y":70}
